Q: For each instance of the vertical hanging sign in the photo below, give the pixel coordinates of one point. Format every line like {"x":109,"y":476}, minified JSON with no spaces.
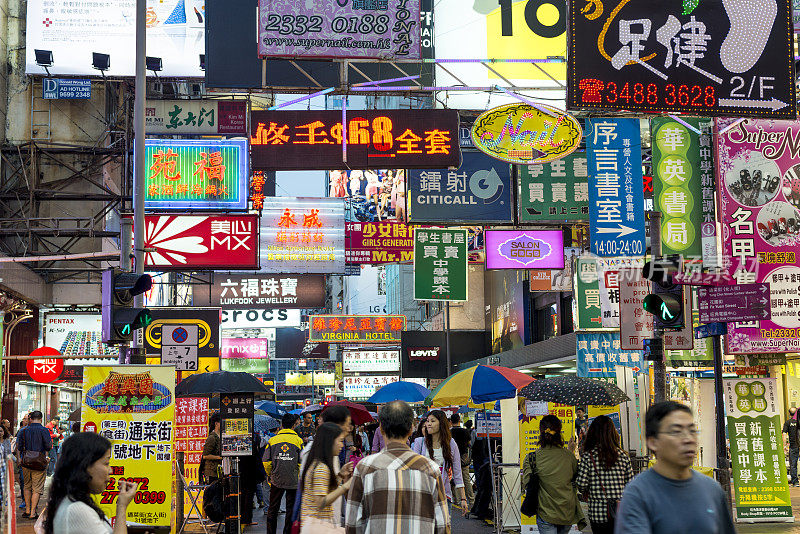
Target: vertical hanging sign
{"x":555,"y":191}
{"x":440,"y":264}
{"x":616,"y":197}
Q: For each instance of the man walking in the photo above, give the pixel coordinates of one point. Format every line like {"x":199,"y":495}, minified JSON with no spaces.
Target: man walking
{"x":56,"y":435}
{"x":397,"y":491}
{"x":33,"y":442}
{"x":791,"y":429}
{"x":282,"y":457}
{"x":671,"y":497}
{"x":462,"y":437}
{"x":306,"y":430}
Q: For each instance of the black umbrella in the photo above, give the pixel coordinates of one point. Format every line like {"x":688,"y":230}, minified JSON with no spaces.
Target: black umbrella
{"x":574,"y":391}
{"x":206,"y":384}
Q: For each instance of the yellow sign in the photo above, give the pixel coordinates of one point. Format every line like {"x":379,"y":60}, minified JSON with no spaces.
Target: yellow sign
{"x":526,"y":135}
{"x":321,"y":378}
{"x":153,"y":331}
{"x":134,"y":407}
{"x":204,"y":365}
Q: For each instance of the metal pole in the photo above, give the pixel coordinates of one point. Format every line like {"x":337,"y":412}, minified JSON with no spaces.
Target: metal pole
{"x":125,"y":236}
{"x":179,"y":489}
{"x":138,"y":147}
{"x":313,"y":387}
{"x":722,"y":444}
{"x":659,"y":366}
{"x":447,"y":337}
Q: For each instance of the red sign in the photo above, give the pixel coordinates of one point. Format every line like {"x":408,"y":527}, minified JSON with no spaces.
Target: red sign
{"x":357,"y":328}
{"x":396,"y":138}
{"x":194,"y":242}
{"x":191,"y":430}
{"x":378,"y":242}
{"x":45,"y":370}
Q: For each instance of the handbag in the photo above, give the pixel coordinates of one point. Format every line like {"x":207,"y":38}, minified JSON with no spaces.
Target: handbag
{"x":34,"y":460}
{"x":530,"y":504}
{"x":611,"y":504}
{"x":312,"y":525}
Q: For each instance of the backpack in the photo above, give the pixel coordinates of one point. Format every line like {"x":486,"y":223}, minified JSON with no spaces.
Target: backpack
{"x":212,"y":502}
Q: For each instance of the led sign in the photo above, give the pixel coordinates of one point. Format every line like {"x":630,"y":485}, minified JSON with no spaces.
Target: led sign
{"x":357,"y":328}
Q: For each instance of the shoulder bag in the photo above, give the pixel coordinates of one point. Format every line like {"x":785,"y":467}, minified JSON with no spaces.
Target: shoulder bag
{"x":33,"y":460}
{"x":530,"y":504}
{"x":611,"y":504}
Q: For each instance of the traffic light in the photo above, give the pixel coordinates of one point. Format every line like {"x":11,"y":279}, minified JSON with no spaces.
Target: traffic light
{"x":120,"y":318}
{"x":666,"y":300}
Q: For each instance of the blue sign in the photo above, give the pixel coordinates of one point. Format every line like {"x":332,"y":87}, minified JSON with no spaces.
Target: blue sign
{"x":479,"y":191}
{"x":599,"y":354}
{"x":60,"y":89}
{"x":710,"y":329}
{"x":616,"y":197}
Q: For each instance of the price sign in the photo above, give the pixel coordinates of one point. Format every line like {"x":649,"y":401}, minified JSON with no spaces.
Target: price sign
{"x":179,"y":346}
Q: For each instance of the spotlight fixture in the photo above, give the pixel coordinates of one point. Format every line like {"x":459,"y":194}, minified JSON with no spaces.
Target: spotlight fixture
{"x":153,"y":63}
{"x":44,"y":58}
{"x":101,"y":62}
{"x":202,"y":62}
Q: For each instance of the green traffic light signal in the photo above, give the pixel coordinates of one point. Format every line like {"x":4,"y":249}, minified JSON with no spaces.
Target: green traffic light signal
{"x":663,"y":305}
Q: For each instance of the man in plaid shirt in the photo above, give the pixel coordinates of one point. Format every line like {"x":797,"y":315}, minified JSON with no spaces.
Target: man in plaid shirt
{"x":397,"y":491}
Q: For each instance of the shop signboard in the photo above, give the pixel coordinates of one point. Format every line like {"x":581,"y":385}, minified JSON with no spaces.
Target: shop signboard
{"x":371,"y":361}
{"x":66,"y":89}
{"x":683,"y":187}
{"x":386,"y":241}
{"x":597,"y":290}
{"x":44,"y":370}
{"x":259,"y":318}
{"x":699,"y":58}
{"x":178,"y":242}
{"x":191,"y":431}
{"x":302,"y":140}
{"x":525,"y":134}
{"x":76,"y":334}
{"x":600,"y":353}
{"x":378,"y":29}
{"x":364,"y":386}
{"x":758,"y":464}
{"x":555,"y":191}
{"x":241,"y":292}
{"x":134,"y":407}
{"x":206,"y":320}
{"x":524,"y":249}
{"x":195,"y":117}
{"x":616,"y":196}
{"x":488,"y":422}
{"x":555,"y":279}
{"x":302,"y":235}
{"x":477,"y":192}
{"x":759,"y":198}
{"x":249,"y":355}
{"x":356,"y":328}
{"x":237,"y":412}
{"x":373,"y":194}
{"x":440,"y":264}
{"x":701,"y":354}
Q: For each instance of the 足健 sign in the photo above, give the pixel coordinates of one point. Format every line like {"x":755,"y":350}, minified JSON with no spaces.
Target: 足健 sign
{"x":196,"y":117}
{"x":524,"y":249}
{"x":243,"y":292}
{"x":440,"y":264}
{"x":356,"y":328}
{"x":371,"y":361}
{"x":61,"y":89}
{"x":555,"y":191}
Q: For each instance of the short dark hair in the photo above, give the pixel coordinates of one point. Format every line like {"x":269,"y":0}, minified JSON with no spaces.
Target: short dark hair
{"x":468,"y":424}
{"x":35,"y":415}
{"x":657,"y":412}
{"x":455,"y":419}
{"x":335,"y":414}
{"x":288,"y":420}
{"x":213,"y":420}
{"x":396,"y":419}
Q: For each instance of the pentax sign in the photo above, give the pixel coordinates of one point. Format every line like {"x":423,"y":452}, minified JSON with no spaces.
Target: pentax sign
{"x":375,"y":139}
{"x":705,"y":58}
{"x":356,"y":328}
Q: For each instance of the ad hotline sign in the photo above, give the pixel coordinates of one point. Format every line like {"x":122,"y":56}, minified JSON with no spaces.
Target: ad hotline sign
{"x":524,"y":249}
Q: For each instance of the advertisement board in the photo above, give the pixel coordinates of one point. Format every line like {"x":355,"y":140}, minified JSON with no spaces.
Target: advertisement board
{"x":479,"y":191}
{"x":134,"y":407}
{"x":308,"y":378}
{"x":195,"y":117}
{"x":201,"y":242}
{"x":364,"y":386}
{"x":236,"y":412}
{"x":440,"y":264}
{"x":232,"y":291}
{"x":374,"y":195}
{"x":206,"y":319}
{"x":555,"y":191}
{"x":379,"y":29}
{"x":75,"y":334}
{"x":759,"y":198}
{"x":191,"y":431}
{"x":302,"y":235}
{"x":702,"y":58}
{"x":175,"y":33}
{"x":378,"y":242}
{"x":312,"y":139}
{"x":507,"y":300}
{"x":555,"y":279}
{"x":198,"y":174}
{"x":356,"y":328}
{"x":524,"y":249}
{"x":371,"y":361}
{"x":600,"y":353}
{"x":266,"y":318}
{"x":250,"y":355}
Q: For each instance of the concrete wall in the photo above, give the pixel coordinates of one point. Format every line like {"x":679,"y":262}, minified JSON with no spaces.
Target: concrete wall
{"x":26,"y":283}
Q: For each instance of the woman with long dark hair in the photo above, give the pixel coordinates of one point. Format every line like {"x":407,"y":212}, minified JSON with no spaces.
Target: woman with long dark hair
{"x":437,"y":443}
{"x":82,"y":469}
{"x":603,"y":471}
{"x":321,"y":485}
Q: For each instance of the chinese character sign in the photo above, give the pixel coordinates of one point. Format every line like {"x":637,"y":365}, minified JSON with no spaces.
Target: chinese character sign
{"x":386,"y":241}
{"x":209,"y":117}
{"x":380,"y":361}
{"x":363,"y":386}
{"x":249,"y":355}
{"x":236,"y":412}
{"x":759,"y":193}
{"x":683,"y":169}
{"x":244,"y":292}
{"x":191,"y":431}
{"x":440,"y":264}
{"x":635,"y":324}
{"x":197,"y":174}
{"x":134,"y":407}
{"x":597,"y":291}
{"x":599,"y":354}
{"x":555,"y":191}
{"x":356,"y":328}
{"x":757,"y":459}
{"x":616,"y":197}
{"x":701,"y":58}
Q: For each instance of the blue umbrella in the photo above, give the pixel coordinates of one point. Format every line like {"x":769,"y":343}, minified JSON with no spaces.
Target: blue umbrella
{"x":296,"y":411}
{"x":265,"y":423}
{"x":404,"y":391}
{"x":271,"y":408}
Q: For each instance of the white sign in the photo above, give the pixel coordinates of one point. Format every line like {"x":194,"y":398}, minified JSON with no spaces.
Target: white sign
{"x":76,"y":334}
{"x":259,"y":318}
{"x":76,"y":29}
{"x":371,"y":361}
{"x":363,"y":387}
{"x":179,"y":346}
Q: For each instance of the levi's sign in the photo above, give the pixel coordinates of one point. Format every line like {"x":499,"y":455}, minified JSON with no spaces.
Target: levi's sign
{"x":425,"y":354}
{"x":357,"y":328}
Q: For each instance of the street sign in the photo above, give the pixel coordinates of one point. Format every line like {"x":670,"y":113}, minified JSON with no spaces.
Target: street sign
{"x":694,"y":278}
{"x":58,"y":89}
{"x":711,"y":329}
{"x":179,"y":344}
{"x":734,"y":304}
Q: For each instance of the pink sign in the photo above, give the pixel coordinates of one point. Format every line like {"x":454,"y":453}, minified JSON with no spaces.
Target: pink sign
{"x":524,"y":249}
{"x":759,"y":192}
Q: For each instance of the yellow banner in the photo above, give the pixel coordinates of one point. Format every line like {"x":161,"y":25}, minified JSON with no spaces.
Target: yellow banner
{"x":134,"y":407}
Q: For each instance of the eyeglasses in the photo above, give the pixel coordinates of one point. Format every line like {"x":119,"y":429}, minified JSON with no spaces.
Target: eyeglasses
{"x":685,"y":432}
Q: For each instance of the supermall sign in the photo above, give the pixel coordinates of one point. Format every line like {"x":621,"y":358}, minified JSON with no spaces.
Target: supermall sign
{"x":357,"y":328}
{"x":371,"y":361}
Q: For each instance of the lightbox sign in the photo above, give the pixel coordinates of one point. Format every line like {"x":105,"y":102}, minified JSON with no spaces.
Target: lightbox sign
{"x":201,"y":242}
{"x":196,"y":117}
{"x":262,"y":291}
{"x":397,"y":138}
{"x":423,"y":354}
{"x":371,"y":361}
{"x":524,"y":134}
{"x":357,"y":328}
{"x":249,"y":355}
{"x":272,"y":318}
{"x":377,"y":29}
{"x":75,"y":334}
{"x":363,"y":387}
{"x":479,"y":191}
{"x":660,"y":56}
{"x":302,"y":235}
{"x":524,"y":249}
{"x":196,"y":174}
{"x":387,"y":241}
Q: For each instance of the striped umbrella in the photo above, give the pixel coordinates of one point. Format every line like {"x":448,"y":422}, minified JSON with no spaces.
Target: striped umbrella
{"x":478,"y":385}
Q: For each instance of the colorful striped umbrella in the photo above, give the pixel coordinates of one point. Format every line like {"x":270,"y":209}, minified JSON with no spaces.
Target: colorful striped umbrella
{"x":478,"y":385}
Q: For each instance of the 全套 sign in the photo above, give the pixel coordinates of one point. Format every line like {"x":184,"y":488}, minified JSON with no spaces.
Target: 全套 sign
{"x":515,"y":249}
{"x":265,"y":291}
{"x":523,"y":134}
{"x":356,"y":328}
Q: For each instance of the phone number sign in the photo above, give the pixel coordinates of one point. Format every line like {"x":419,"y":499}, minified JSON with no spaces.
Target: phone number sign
{"x":652,"y":56}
